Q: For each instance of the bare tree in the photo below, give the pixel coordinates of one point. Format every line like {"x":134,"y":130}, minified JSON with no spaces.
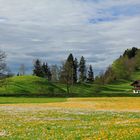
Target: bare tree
{"x":2,"y":62}
{"x":67,"y":73}
{"x":66,"y":76}
{"x":55,"y":73}
{"x":2,"y":68}
{"x":22,"y":69}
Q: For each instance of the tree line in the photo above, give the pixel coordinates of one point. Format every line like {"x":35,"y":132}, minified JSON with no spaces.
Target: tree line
{"x":72,"y":71}
{"x":69,"y":73}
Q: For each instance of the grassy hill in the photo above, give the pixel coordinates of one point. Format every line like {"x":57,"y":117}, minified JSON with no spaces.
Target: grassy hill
{"x":24,"y":85}
{"x":121,"y":87}
{"x":35,"y":86}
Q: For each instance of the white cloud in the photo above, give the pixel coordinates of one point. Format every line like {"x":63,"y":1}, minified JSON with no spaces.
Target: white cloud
{"x":59,"y":27}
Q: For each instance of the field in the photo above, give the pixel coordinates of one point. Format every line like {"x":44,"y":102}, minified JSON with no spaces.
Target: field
{"x":116,"y":118}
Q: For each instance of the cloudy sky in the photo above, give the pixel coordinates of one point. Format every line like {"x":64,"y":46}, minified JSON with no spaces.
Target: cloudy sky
{"x":51,"y":29}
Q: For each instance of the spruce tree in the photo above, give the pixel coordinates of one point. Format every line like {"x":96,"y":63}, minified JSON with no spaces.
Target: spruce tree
{"x":45,"y":69}
{"x":38,"y":69}
{"x":75,"y":70}
{"x":49,"y":74}
{"x":90,"y":74}
{"x":82,"y":69}
{"x":70,"y":68}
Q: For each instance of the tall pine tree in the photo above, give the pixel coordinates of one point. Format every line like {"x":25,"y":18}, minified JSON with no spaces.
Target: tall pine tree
{"x":82,"y":69}
{"x":49,"y":74}
{"x":38,"y":69}
{"x":45,"y":69}
{"x":90,"y":74}
{"x":75,"y":70}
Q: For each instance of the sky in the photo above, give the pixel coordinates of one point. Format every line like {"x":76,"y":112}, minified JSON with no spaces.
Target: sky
{"x":49,"y":30}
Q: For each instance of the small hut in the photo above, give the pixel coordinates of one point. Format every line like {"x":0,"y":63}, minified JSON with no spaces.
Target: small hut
{"x":136,"y":85}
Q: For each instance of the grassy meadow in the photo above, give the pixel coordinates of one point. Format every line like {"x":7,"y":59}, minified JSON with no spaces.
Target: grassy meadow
{"x":116,"y":118}
{"x":18,"y":100}
{"x":99,"y":112}
{"x":35,"y":86}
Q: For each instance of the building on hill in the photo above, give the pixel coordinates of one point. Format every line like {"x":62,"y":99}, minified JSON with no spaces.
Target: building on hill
{"x":136,"y":85}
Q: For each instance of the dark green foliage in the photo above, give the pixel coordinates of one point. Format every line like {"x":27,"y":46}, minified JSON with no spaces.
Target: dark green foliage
{"x":49,"y":75}
{"x":42,"y":70}
{"x":82,"y":69}
{"x":137,"y":60}
{"x":46,"y":71}
{"x":130,"y":53}
{"x":38,"y":71}
{"x":90,"y":74}
{"x":75,"y":77}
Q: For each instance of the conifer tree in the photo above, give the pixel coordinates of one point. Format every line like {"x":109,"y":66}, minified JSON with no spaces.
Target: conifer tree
{"x":45,"y":69}
{"x":75,"y":70}
{"x":49,"y":74}
{"x":82,"y":69}
{"x":90,"y":74}
{"x":38,"y":69}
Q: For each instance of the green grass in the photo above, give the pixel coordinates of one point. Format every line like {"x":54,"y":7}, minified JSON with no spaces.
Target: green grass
{"x":17,"y":100}
{"x":30,"y":86}
{"x":35,"y":86}
{"x":121,"y":87}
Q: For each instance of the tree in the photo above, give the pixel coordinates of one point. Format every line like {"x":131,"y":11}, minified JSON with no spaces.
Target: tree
{"x":67,"y":72}
{"x":8,"y":72}
{"x":82,"y":69}
{"x":38,"y":68}
{"x":2,"y":68}
{"x":109,"y":75}
{"x":22,"y":69}
{"x":130,"y":53}
{"x":64,"y":76}
{"x":71,"y":68}
{"x":55,"y":73}
{"x":122,"y":68}
{"x":2,"y":62}
{"x":137,"y":60}
{"x":90,"y":74}
{"x":45,"y":69}
{"x":75,"y":70}
{"x":49,"y":75}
